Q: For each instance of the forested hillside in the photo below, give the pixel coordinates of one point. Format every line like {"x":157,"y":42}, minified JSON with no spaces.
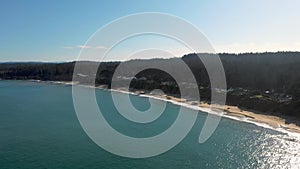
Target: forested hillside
{"x":267,"y":82}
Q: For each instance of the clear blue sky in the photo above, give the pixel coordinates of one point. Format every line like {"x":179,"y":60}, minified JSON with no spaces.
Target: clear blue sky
{"x":52,"y":30}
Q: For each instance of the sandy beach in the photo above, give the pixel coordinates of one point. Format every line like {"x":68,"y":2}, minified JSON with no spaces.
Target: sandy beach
{"x":233,"y":112}
{"x":273,"y":121}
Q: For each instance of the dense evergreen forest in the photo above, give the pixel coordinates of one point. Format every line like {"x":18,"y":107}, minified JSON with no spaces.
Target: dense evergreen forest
{"x":266,"y":82}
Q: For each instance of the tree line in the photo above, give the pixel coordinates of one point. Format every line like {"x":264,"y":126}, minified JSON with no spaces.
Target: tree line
{"x":262,"y":81}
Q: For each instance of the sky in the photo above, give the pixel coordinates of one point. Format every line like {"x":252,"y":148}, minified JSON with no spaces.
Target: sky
{"x":56,"y":30}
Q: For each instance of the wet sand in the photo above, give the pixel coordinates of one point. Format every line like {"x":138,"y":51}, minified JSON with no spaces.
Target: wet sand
{"x":234,"y":112}
{"x":275,"y":122}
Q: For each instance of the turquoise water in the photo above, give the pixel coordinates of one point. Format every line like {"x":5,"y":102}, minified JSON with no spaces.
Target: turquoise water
{"x":39,"y":129}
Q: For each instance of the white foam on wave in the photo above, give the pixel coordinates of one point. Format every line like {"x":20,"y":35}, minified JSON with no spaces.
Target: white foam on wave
{"x":193,"y":107}
{"x":209,"y":110}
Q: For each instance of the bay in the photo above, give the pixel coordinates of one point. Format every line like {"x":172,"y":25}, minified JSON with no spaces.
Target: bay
{"x":39,"y":129}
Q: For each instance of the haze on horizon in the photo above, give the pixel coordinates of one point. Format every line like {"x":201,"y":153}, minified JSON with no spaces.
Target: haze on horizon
{"x":56,"y":31}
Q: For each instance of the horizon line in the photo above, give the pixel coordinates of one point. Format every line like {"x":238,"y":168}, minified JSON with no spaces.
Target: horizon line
{"x":218,"y":53}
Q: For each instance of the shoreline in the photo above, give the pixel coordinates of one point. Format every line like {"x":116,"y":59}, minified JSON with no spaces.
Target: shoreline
{"x":232,"y":112}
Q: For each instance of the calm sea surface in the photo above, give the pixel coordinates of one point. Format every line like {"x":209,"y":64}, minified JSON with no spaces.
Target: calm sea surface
{"x":39,"y":129}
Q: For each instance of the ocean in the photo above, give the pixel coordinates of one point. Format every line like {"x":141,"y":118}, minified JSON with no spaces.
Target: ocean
{"x":39,"y":129}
